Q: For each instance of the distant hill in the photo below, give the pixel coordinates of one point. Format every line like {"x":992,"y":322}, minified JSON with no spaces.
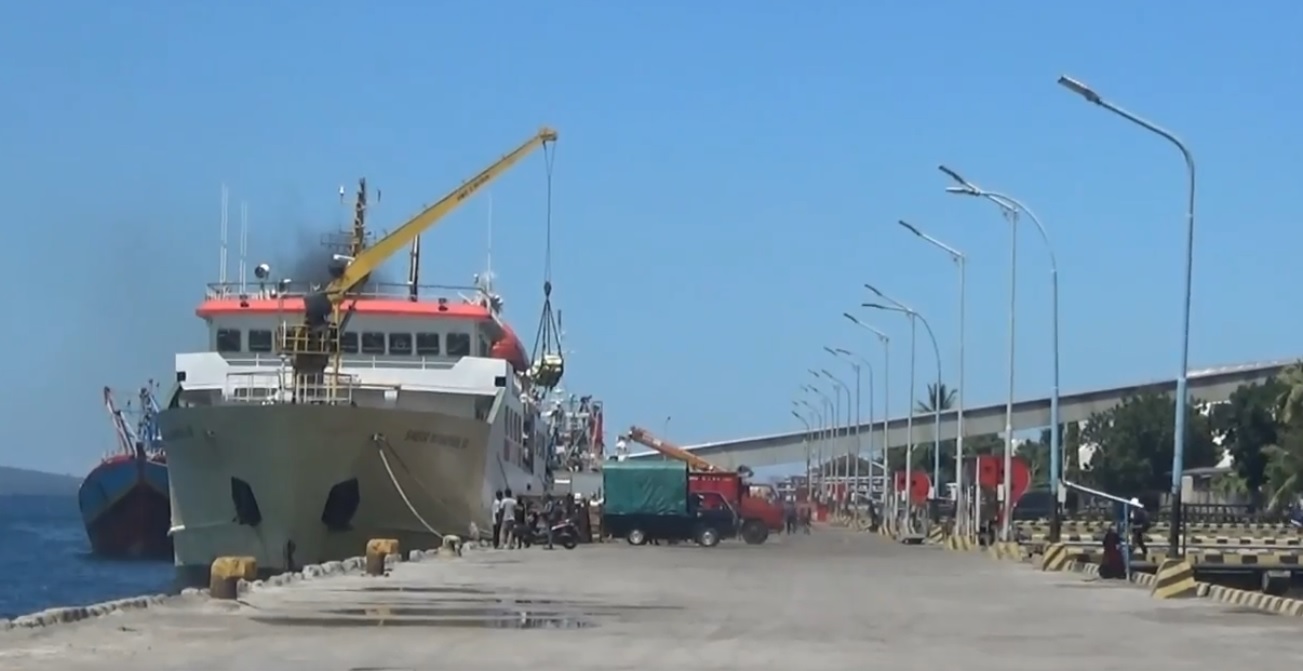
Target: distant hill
{"x":22,"y":482}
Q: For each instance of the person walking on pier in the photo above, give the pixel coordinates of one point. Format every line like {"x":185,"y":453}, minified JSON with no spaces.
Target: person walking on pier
{"x":497,"y":519}
{"x":1139,"y":526}
{"x":508,"y":508}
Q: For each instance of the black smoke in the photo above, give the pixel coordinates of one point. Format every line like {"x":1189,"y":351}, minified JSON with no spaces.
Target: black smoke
{"x":309,"y":259}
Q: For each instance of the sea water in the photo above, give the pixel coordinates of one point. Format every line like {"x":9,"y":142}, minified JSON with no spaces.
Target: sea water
{"x":45,"y":560}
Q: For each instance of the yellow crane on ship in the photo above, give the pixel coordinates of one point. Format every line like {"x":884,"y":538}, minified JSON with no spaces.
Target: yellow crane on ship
{"x":314,"y":343}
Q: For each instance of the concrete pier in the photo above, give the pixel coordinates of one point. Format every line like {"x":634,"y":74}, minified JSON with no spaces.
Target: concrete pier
{"x":832,"y":600}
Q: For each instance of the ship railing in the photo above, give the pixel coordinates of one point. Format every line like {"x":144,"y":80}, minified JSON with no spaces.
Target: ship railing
{"x":271,"y":360}
{"x":292,"y":289}
{"x":283,"y":386}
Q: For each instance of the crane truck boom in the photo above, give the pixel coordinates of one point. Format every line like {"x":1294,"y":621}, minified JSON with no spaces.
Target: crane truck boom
{"x":759,"y":510}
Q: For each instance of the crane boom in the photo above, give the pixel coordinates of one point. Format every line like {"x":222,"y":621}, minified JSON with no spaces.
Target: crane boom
{"x":314,"y":342}
{"x":644,"y":437}
{"x":369,"y":259}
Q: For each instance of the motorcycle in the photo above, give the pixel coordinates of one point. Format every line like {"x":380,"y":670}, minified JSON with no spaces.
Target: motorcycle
{"x":564,"y":533}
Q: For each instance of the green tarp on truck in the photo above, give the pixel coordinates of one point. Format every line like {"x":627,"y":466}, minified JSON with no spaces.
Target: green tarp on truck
{"x":645,"y":488}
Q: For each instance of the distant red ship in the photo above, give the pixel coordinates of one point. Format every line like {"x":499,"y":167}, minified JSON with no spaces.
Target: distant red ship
{"x":124,"y":500}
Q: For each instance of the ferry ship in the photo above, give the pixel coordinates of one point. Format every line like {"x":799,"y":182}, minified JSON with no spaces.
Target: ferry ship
{"x":124,"y":499}
{"x":296,"y":439}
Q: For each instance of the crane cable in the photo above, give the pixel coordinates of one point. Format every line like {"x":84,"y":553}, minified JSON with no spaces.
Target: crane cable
{"x":546,"y":336}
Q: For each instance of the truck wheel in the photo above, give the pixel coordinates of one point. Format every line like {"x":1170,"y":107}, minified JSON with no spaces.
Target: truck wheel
{"x":754,"y":532}
{"x":637,"y":537}
{"x":707,"y":537}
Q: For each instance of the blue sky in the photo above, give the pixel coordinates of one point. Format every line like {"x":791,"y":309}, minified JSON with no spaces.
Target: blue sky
{"x":728,"y":176}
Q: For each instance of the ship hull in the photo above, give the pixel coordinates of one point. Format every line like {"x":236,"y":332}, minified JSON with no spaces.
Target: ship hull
{"x":297,"y":484}
{"x":125,"y":509}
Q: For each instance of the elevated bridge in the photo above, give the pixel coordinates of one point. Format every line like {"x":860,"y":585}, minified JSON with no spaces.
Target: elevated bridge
{"x":1208,"y":385}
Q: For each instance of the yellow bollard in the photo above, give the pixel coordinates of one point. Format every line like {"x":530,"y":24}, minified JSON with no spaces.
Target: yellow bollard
{"x":377,"y":549}
{"x":1174,"y":579}
{"x":226,"y":573}
{"x":1056,"y":558}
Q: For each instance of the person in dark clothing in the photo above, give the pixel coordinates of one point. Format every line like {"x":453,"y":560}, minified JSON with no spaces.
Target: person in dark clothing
{"x":789,"y":517}
{"x":497,"y":518}
{"x":520,"y":538}
{"x":551,"y":510}
{"x":1112,"y":566}
{"x":1139,"y":526}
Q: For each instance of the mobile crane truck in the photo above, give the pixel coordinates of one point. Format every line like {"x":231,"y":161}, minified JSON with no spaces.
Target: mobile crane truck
{"x":758,"y":507}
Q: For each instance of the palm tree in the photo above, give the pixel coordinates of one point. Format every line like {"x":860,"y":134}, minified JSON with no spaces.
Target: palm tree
{"x":939,"y":396}
{"x":1291,"y":399}
{"x":1285,"y":461}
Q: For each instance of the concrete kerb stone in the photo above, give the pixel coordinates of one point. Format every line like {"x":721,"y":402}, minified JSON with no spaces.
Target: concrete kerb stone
{"x":1234,"y":597}
{"x":67,"y":615}
{"x":1278,"y":605}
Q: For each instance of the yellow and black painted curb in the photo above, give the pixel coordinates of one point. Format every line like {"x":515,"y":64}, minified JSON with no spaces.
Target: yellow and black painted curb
{"x":1174,"y":579}
{"x":1005,"y":550}
{"x":1238,"y":597}
{"x":960,"y":543}
{"x":1056,"y":558}
{"x":936,"y":535}
{"x":1192,"y":542}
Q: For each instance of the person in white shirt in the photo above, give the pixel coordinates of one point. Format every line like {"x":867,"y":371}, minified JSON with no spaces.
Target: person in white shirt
{"x":508,"y":512}
{"x":497,"y":518}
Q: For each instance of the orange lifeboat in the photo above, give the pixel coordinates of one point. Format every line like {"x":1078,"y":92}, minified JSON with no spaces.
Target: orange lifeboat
{"x":510,"y":349}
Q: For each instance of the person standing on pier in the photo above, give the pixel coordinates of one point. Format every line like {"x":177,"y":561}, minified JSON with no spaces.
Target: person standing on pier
{"x":789,"y":516}
{"x":507,"y":511}
{"x":497,"y":519}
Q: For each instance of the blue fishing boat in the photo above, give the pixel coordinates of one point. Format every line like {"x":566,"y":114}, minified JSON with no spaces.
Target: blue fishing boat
{"x":124,"y":500}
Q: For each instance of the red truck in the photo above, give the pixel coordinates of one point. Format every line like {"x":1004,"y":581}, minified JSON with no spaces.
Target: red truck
{"x":759,"y":514}
{"x":757,"y":506}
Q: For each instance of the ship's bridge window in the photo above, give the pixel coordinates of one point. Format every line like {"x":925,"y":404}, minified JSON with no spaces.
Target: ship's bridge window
{"x":348,"y":342}
{"x":459,"y":344}
{"x":373,"y":343}
{"x":485,"y":348}
{"x":259,"y":340}
{"x":400,"y":343}
{"x":427,"y":344}
{"x":230,"y":340}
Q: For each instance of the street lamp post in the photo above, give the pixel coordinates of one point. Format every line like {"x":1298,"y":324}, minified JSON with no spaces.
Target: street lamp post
{"x":886,"y":395}
{"x":1012,"y":207}
{"x":838,"y":384}
{"x":856,"y":369}
{"x":805,"y":440}
{"x":1182,"y":380}
{"x":1006,"y":486}
{"x":961,"y":261}
{"x":858,"y":364}
{"x":809,"y":464}
{"x":830,"y":421}
{"x":936,"y":406}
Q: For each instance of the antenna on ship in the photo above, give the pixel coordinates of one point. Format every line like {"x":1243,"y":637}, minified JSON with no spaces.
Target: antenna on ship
{"x":221,"y":274}
{"x":488,"y":256}
{"x":244,"y":241}
{"x":414,"y":270}
{"x":358,"y":240}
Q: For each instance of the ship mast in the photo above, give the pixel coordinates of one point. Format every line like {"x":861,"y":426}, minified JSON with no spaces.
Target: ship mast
{"x":357,"y":240}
